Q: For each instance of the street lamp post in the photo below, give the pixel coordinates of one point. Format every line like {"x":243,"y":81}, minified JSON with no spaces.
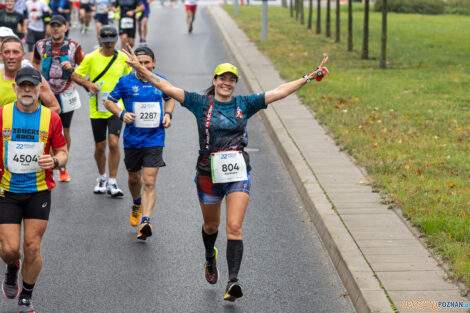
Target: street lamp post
{"x":264,"y":25}
{"x":236,"y":7}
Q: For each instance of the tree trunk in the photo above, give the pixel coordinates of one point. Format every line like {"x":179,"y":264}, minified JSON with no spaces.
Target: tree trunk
{"x":338,"y":22}
{"x":291,"y":7}
{"x":318,"y":16}
{"x":365,"y":39}
{"x":328,"y":18}
{"x":284,"y":3}
{"x":297,"y":10}
{"x":350,"y":26}
{"x":301,"y":7}
{"x":310,"y":13}
{"x":383,"y":45}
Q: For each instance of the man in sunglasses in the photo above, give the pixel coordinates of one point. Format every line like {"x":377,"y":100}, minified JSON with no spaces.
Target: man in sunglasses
{"x":104,"y":66}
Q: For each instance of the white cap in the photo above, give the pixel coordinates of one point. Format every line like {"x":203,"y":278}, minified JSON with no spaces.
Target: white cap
{"x":7,"y":32}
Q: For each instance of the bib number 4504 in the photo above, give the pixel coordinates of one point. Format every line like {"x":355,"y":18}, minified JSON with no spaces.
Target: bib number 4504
{"x":228,"y":166}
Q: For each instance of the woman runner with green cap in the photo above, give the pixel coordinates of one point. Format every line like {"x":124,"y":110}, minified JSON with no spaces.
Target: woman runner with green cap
{"x":223,"y":166}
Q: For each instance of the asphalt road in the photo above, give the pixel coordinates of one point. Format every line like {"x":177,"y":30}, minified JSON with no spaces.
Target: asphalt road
{"x":92,"y":260}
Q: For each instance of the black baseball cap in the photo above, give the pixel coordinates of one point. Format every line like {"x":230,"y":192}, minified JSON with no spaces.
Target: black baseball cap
{"x":108,"y":34}
{"x":58,"y":19}
{"x":144,"y":51}
{"x":28,"y":74}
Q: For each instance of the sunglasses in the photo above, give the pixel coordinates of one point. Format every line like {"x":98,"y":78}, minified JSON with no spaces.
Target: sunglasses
{"x":108,"y":36}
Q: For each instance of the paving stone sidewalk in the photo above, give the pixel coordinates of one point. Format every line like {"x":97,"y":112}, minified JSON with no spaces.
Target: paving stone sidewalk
{"x":369,"y":244}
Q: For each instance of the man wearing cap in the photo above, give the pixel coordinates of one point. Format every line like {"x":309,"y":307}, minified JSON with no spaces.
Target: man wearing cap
{"x":12,"y":19}
{"x":104,"y":66}
{"x":144,"y":136}
{"x":13,"y":56}
{"x":29,"y":131}
{"x":57,"y":57}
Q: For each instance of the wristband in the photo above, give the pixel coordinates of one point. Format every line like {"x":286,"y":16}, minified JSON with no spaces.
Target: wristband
{"x":169,"y":113}
{"x":56,"y":163}
{"x":121,"y":115}
{"x":306,"y":78}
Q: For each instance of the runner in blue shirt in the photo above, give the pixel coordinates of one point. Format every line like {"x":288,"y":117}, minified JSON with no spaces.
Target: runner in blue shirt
{"x":144,"y":136}
{"x":223,"y":168}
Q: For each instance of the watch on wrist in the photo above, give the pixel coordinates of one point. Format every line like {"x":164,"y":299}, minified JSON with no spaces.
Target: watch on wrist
{"x":306,"y":78}
{"x":56,"y":163}
{"x":169,"y":113}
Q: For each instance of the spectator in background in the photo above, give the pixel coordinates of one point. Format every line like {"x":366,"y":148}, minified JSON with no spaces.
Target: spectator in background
{"x":35,"y":26}
{"x":12,"y":19}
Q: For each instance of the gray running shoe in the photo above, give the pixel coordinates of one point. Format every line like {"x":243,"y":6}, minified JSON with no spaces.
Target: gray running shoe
{"x":114,"y":191}
{"x":10,"y":284}
{"x":100,"y":187}
{"x":25,"y":305}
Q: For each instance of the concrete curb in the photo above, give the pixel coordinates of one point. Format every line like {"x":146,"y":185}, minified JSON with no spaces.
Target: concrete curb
{"x":328,"y":224}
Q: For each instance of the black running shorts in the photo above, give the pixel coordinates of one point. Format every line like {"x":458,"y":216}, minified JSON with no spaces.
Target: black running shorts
{"x":130,"y":32}
{"x":86,"y":7}
{"x":99,"y":126}
{"x":18,"y":206}
{"x":135,"y":158}
{"x":66,"y":118}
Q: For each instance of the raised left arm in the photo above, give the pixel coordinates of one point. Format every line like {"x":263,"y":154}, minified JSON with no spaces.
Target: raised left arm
{"x":286,"y":89}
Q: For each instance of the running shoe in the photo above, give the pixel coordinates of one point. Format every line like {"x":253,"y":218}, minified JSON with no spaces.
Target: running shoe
{"x":136,"y":215}
{"x":10,"y":284}
{"x":190,"y":28}
{"x":145,"y":230}
{"x":25,"y":305}
{"x":114,"y":191}
{"x":64,"y":175}
{"x":100,"y":187}
{"x":234,"y":291}
{"x":212,"y":272}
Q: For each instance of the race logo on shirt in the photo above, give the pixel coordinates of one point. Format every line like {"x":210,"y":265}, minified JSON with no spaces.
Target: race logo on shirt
{"x":6,"y":133}
{"x":43,"y":135}
{"x":135,"y":89}
{"x":239,"y":113}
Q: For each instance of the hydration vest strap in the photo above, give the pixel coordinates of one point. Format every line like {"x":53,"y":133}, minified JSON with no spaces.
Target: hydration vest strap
{"x":207,"y":123}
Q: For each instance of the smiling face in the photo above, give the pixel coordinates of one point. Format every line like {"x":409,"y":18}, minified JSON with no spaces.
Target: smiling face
{"x":224,"y":85}
{"x":27,"y":93}
{"x":12,"y":54}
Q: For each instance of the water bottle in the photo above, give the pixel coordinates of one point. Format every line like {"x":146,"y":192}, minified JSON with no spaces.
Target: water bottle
{"x":100,"y":84}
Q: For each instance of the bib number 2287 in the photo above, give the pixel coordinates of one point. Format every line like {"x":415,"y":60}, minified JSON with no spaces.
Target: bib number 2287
{"x":228,"y":166}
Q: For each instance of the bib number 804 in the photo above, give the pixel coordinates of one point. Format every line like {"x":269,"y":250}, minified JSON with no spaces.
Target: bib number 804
{"x":22,"y":158}
{"x":230,"y":167}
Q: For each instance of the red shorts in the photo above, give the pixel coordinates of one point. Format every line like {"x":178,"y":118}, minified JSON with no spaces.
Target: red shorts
{"x":76,"y":4}
{"x":191,"y":8}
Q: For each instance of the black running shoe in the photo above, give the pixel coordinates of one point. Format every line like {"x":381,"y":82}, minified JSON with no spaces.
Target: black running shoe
{"x":145,"y":230}
{"x":10,"y":284}
{"x":234,"y":291}
{"x":25,"y":305}
{"x":212,"y":272}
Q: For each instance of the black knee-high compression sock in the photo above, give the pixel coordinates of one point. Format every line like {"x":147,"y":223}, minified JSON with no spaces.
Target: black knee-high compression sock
{"x":209,"y":241}
{"x":234,"y":258}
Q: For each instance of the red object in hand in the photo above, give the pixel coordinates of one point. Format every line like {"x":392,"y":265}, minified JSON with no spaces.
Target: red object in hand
{"x":320,"y":75}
